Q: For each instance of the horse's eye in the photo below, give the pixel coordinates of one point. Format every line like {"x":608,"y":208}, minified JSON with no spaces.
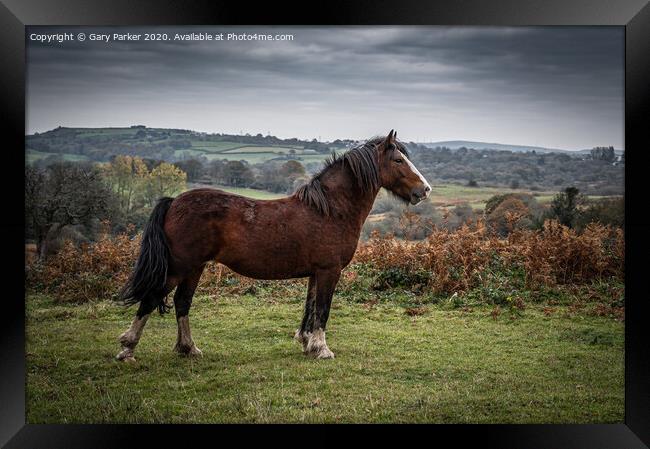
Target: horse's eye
{"x":399,"y":161}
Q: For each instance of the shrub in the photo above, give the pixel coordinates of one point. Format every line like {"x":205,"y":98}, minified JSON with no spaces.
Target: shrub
{"x":504,"y":213}
{"x":471,"y":257}
{"x":86,"y":272}
{"x":398,"y":277}
{"x":565,"y":206}
{"x":606,"y":211}
{"x":470,"y":261}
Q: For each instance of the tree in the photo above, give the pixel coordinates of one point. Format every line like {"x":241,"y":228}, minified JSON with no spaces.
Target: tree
{"x":292,"y":170}
{"x":192,"y":167}
{"x":607,"y":211}
{"x":64,"y":194}
{"x":215,"y":170}
{"x":603,"y":154}
{"x":236,"y":173}
{"x":164,"y":180}
{"x":127,"y":176}
{"x":564,"y":206}
{"x":507,"y":215}
{"x":503,"y":213}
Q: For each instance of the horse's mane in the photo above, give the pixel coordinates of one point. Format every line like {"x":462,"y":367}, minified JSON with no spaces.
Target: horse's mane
{"x":361,"y":161}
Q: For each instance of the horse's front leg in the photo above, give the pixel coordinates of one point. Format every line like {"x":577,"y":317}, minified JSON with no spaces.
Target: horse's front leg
{"x":302,"y":334}
{"x":316,"y":346}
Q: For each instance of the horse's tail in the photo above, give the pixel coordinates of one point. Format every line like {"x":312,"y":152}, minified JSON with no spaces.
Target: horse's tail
{"x":147,"y":282}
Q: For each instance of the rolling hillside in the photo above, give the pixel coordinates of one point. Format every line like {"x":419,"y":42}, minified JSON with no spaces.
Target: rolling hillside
{"x":100,"y":144}
{"x":456,"y":144}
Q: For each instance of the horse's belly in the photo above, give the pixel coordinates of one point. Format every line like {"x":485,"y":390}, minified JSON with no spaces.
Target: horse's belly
{"x":276,"y":270}
{"x":265,"y":260}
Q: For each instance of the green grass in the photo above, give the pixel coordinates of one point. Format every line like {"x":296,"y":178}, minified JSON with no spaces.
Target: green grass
{"x":264,"y":149}
{"x":253,"y":154}
{"x":251,"y":193}
{"x":215,"y":147}
{"x":256,"y":158}
{"x":243,"y":191}
{"x":189,"y":153}
{"x":448,"y":195}
{"x":238,"y":147}
{"x":91,"y":132}
{"x":33,"y":156}
{"x":251,"y":158}
{"x":446,"y":366}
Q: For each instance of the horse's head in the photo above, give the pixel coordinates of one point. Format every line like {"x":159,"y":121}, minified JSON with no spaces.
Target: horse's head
{"x":398,"y":174}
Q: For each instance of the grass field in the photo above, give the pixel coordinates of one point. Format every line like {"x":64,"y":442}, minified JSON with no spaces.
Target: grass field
{"x":443,"y":195}
{"x":253,"y":154}
{"x":88,"y":132}
{"x":446,"y":195}
{"x":251,"y":193}
{"x":33,"y":156}
{"x":257,"y":157}
{"x":188,"y":154}
{"x":263,"y":149}
{"x":443,"y":366}
{"x":215,"y":147}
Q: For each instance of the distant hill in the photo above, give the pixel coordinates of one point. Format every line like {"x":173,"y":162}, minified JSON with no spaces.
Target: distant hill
{"x":101,"y":144}
{"x":510,"y":166}
{"x":456,"y":144}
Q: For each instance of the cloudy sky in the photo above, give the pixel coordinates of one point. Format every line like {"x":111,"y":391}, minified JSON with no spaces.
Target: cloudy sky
{"x":557,"y":87}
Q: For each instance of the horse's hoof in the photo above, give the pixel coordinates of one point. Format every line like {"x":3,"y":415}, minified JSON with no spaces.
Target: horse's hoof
{"x":299,"y":337}
{"x":324,"y":353}
{"x":192,"y":351}
{"x":195,"y":352}
{"x":126,"y":355}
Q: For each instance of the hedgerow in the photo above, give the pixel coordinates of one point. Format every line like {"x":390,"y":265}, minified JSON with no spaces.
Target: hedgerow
{"x":471,"y":262}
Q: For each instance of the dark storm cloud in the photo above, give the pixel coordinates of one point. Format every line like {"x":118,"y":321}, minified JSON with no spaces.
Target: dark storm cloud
{"x":558,"y":87}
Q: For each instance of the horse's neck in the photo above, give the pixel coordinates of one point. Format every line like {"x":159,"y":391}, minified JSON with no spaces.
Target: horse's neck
{"x":347,"y":199}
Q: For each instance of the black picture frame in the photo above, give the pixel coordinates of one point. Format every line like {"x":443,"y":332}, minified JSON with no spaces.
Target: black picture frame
{"x":634,"y":15}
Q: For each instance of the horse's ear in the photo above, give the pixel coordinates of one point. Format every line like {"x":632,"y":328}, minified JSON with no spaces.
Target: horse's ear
{"x":391,"y":137}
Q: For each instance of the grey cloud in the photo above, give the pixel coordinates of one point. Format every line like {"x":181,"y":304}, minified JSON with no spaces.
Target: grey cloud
{"x":551,"y":86}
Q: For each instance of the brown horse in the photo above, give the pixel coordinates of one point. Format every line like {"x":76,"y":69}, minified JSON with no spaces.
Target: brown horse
{"x":313,"y":233}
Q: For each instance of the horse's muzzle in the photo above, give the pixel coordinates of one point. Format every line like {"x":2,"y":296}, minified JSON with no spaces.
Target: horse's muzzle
{"x":419,"y":193}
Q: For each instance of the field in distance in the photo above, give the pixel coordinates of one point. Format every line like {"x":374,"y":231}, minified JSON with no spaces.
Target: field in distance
{"x":32,"y":156}
{"x":243,"y":191}
{"x":253,"y":154}
{"x":99,"y":143}
{"x":443,"y":196}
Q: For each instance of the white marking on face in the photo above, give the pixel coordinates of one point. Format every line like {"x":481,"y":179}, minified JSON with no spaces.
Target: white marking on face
{"x":417,"y":172}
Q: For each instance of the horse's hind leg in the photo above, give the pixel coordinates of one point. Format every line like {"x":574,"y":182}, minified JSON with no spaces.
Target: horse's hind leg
{"x":131,"y":337}
{"x":302,"y":334}
{"x":182,"y":303}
